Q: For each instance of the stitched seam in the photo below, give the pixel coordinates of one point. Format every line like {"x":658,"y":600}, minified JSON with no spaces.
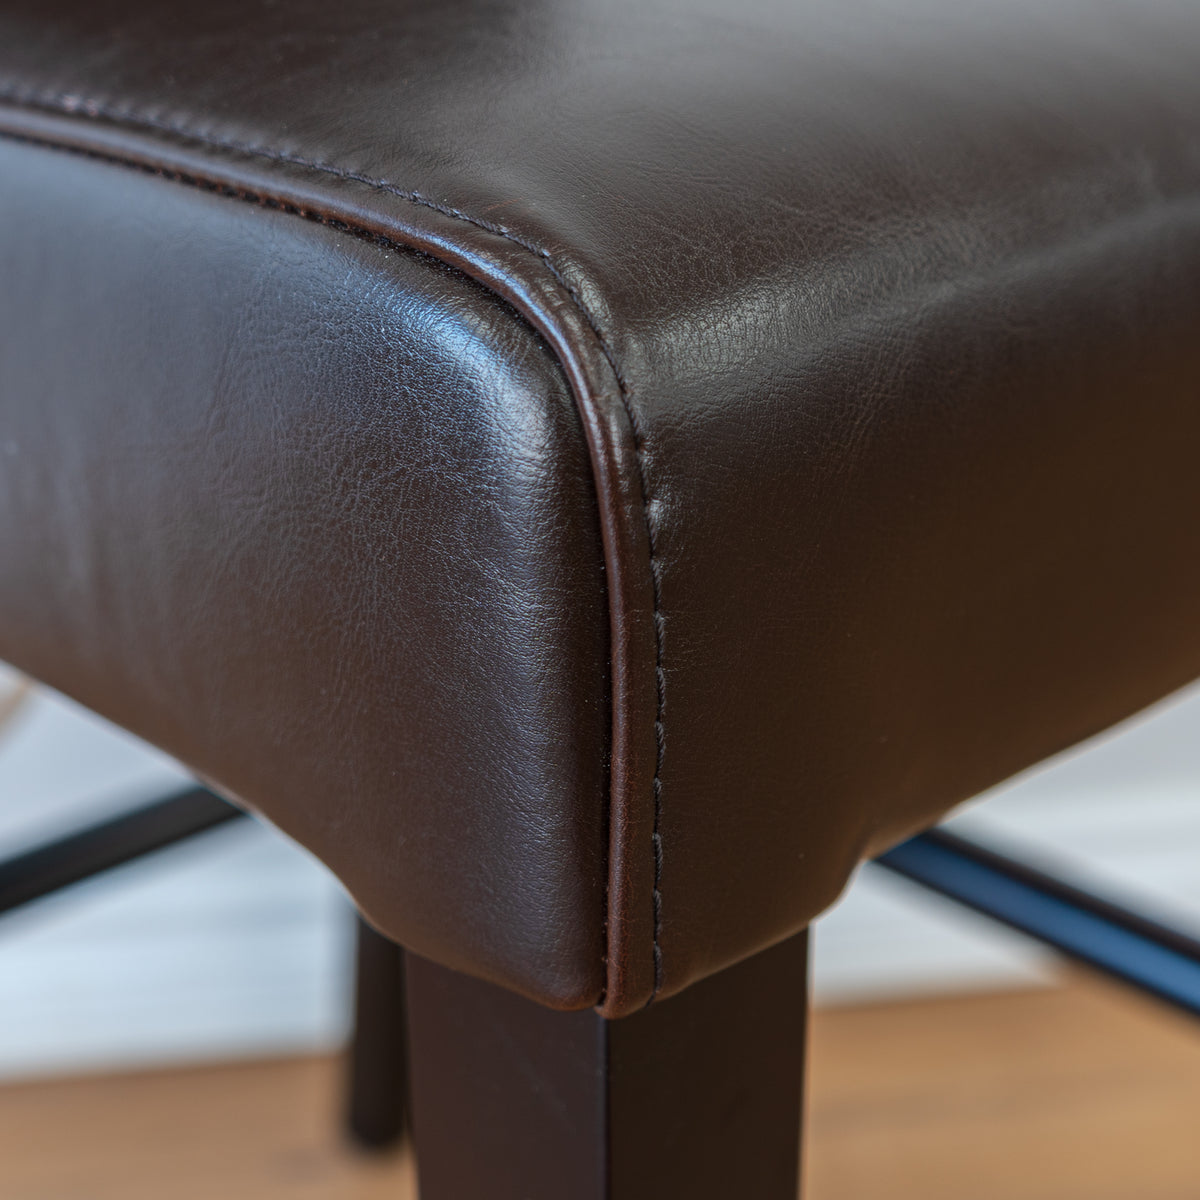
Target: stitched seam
{"x":260,"y":199}
{"x":77,"y":106}
{"x":71,"y":105}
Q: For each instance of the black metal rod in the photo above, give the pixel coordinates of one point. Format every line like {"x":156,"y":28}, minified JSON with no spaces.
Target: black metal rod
{"x":49,"y":868}
{"x":1105,"y":936}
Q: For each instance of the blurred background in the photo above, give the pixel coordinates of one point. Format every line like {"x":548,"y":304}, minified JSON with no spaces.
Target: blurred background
{"x":238,"y":944}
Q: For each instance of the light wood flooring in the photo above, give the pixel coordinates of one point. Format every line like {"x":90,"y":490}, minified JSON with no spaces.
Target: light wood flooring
{"x":1071,"y":1093}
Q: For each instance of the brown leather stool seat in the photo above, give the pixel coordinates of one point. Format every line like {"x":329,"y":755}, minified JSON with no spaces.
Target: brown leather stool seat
{"x":592,"y":471}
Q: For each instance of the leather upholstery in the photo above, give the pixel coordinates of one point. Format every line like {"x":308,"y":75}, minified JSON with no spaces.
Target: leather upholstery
{"x":877,"y":484}
{"x":306,"y":511}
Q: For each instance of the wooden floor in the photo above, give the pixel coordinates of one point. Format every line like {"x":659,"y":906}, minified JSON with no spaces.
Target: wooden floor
{"x":1073,"y":1093}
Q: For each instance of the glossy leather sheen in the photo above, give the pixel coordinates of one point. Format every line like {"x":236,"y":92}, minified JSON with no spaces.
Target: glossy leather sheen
{"x":878,"y":482}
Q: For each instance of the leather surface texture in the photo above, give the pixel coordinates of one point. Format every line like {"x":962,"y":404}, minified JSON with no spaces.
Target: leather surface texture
{"x":594,"y":470}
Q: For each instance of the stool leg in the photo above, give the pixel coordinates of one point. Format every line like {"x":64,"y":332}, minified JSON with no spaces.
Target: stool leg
{"x":377,"y":1109}
{"x":698,"y":1097}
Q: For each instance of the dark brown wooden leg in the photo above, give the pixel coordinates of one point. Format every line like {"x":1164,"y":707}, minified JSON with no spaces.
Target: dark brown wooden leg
{"x":699,"y":1097}
{"x":377,"y":1103}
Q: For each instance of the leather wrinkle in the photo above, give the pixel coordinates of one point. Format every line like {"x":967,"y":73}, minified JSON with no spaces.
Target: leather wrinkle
{"x":70,"y":105}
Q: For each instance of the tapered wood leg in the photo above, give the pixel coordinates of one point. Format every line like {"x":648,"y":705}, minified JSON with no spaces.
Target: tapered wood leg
{"x":377,"y":1102}
{"x":697,"y":1098}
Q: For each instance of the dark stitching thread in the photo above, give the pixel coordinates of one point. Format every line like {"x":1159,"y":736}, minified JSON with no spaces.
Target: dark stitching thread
{"x":359,"y":232}
{"x":73,"y":106}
